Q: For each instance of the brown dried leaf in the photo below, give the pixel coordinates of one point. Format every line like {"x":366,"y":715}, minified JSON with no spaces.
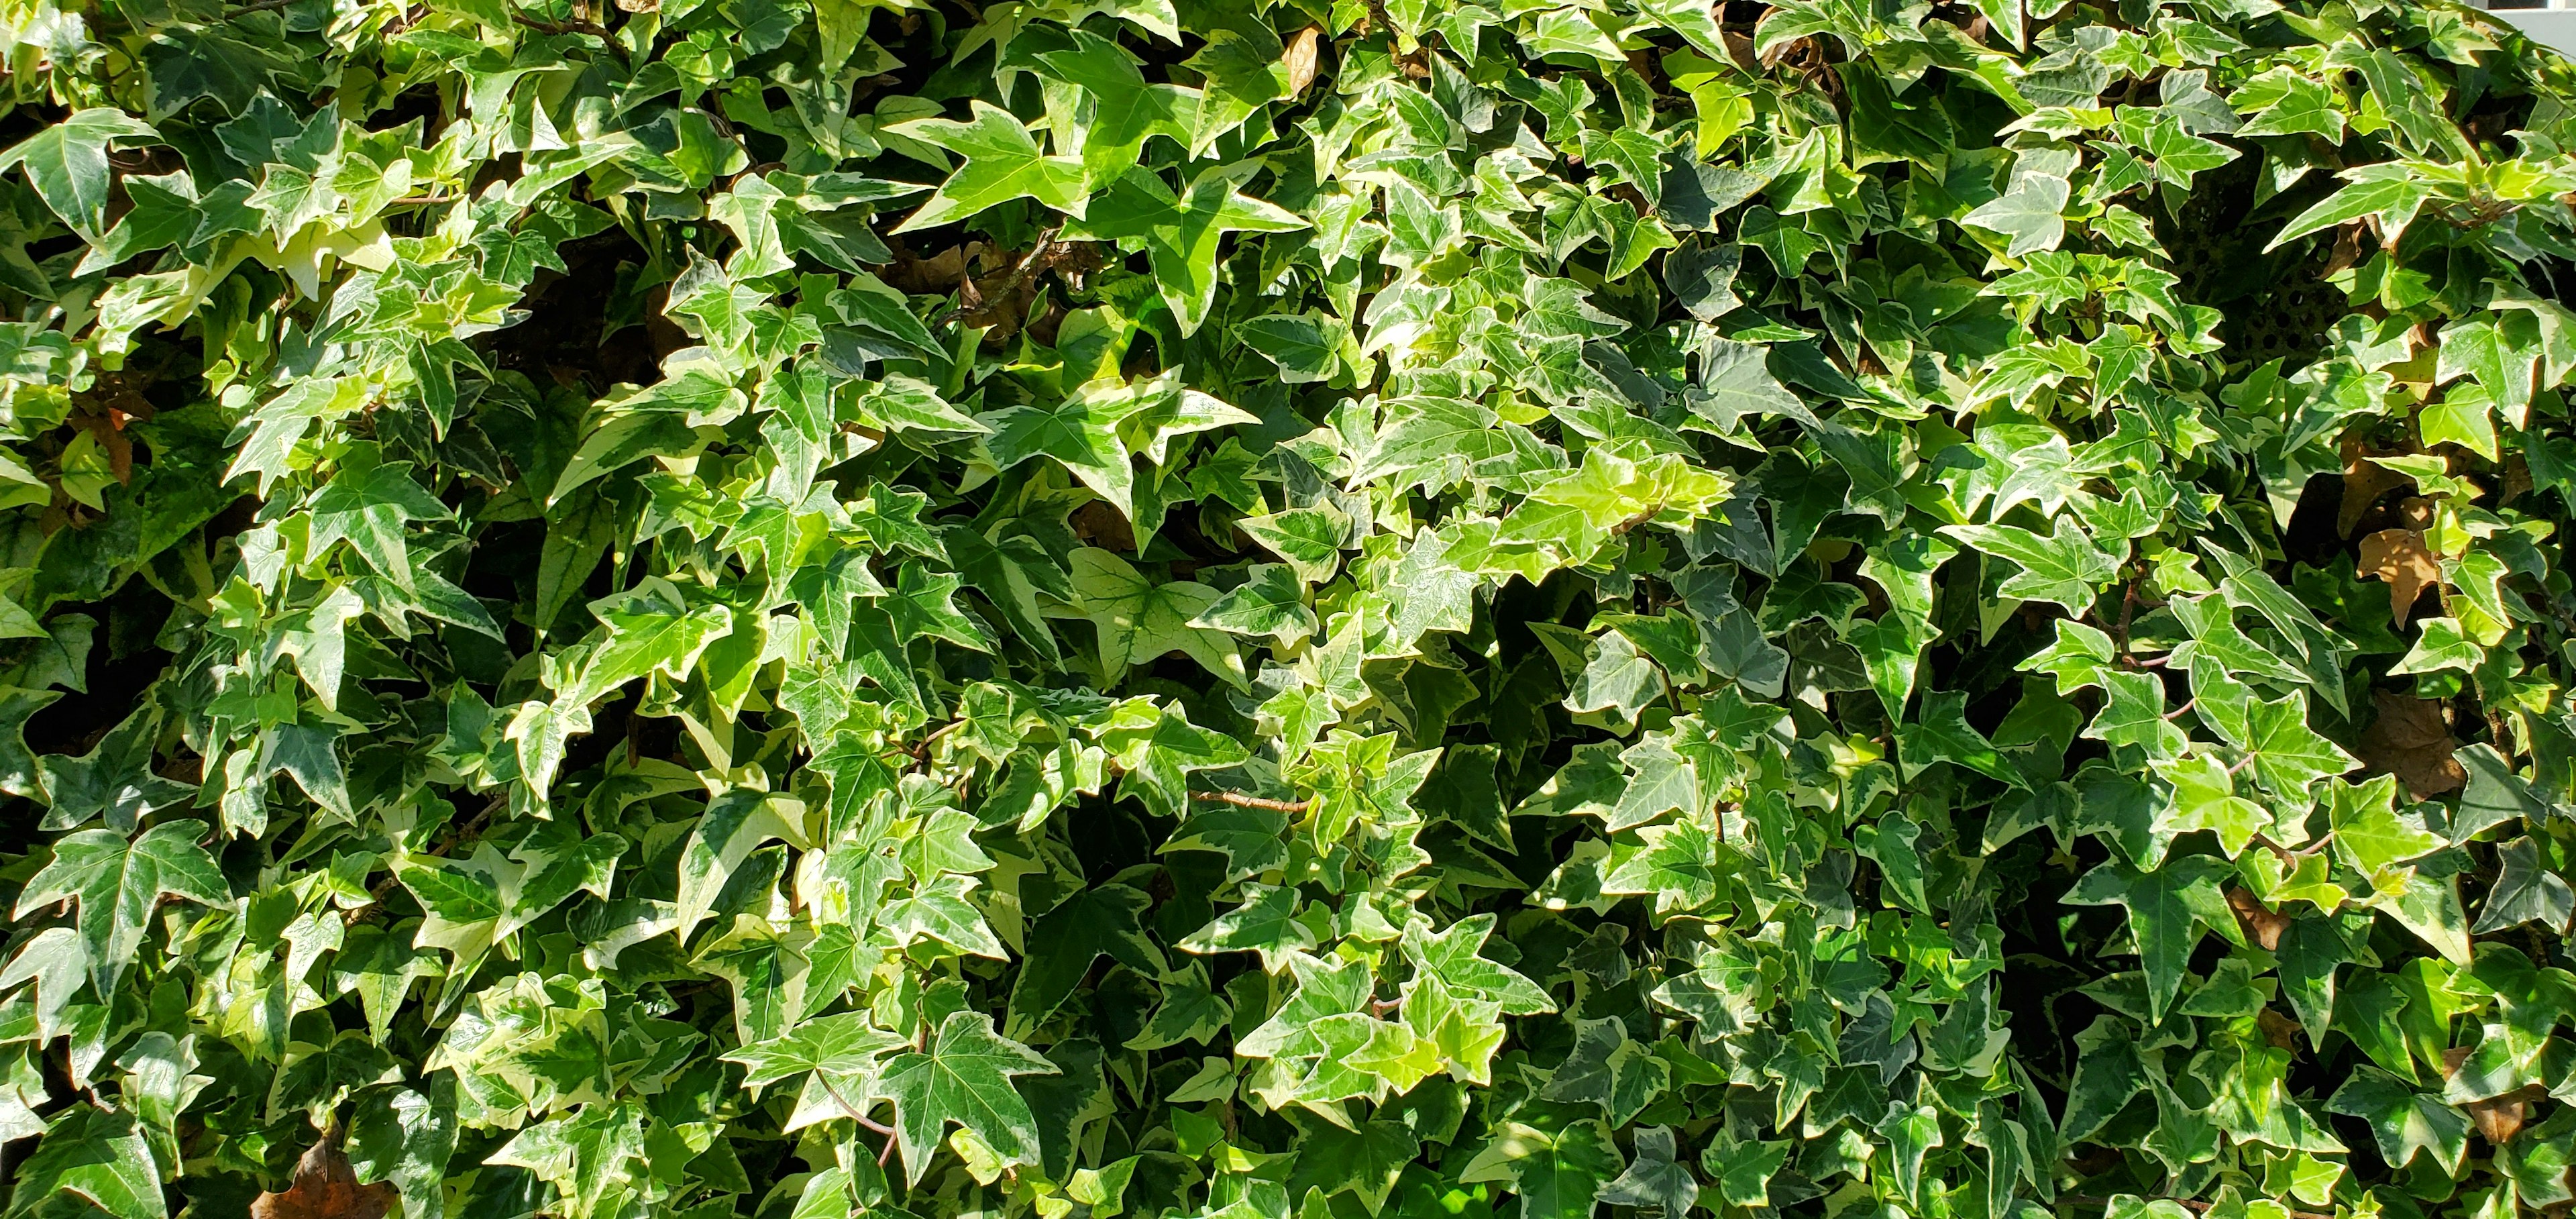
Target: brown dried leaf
{"x":2517,"y":478}
{"x":2364,"y":481}
{"x":2409,"y":740}
{"x":325,"y":1188}
{"x":2259,"y":921}
{"x":2499,"y":1118}
{"x":2400,"y":557}
{"x":2347,"y":250}
{"x":1305,"y":49}
{"x":932,"y":276}
{"x":1099,"y":524}
{"x":2278,"y":1029}
{"x":1740,"y":49}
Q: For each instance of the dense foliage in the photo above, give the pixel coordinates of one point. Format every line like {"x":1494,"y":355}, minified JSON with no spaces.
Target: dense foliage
{"x":1256,"y":608}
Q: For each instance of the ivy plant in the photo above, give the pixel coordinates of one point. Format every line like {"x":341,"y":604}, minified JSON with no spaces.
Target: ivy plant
{"x":1285,"y":609}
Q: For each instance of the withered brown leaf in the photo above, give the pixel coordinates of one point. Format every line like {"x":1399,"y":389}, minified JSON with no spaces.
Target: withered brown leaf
{"x":2409,"y":740}
{"x":2278,"y":1029}
{"x":2400,"y":557}
{"x":325,"y":1188}
{"x":1305,"y":47}
{"x":2259,"y":921}
{"x":2498,"y":1118}
{"x":2364,"y":481}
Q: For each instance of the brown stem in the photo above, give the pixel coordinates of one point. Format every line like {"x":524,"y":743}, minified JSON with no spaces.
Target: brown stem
{"x":577,"y":25}
{"x":884,"y":1153}
{"x":2288,"y":856}
{"x":2128,"y":610}
{"x":922,"y":748}
{"x":1239,"y":800}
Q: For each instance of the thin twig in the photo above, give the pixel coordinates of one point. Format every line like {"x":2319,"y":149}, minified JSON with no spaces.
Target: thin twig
{"x":921,"y":749}
{"x":577,"y":25}
{"x":1239,"y":800}
{"x":2288,"y":856}
{"x":2188,"y":704}
{"x":2128,"y":606}
{"x":884,"y":1153}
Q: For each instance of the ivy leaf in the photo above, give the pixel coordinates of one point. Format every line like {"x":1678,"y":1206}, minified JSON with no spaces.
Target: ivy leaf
{"x":1002,"y":164}
{"x":1136,"y":619}
{"x":2063,"y":568}
{"x":2204,"y":798}
{"x":1306,"y":349}
{"x":1653,"y":1182}
{"x":1744,"y":1170}
{"x":2443,"y":644}
{"x":1179,"y":233}
{"x":1683,"y":866}
{"x":2370,"y":832}
{"x":1453,"y":955}
{"x":2389,"y":192}
{"x":841,"y":1054}
{"x":2079,"y":657}
{"x":367,"y":504}
{"x":2168,"y":909}
{"x":118,"y":883}
{"x":2028,"y":216}
{"x":737,"y":820}
{"x":1735,"y":381}
{"x":67,"y":163}
{"x":1556,"y":1175}
{"x":1310,"y":539}
{"x":963,"y":1077}
{"x":2284,"y":102}
{"x":1126,"y":109}
{"x":650,"y":629}
{"x":1943,"y":734}
{"x":591,"y":1158}
{"x":99,"y":1157}
{"x":1266,"y":923}
{"x":1607,"y":1069}
{"x":2289,"y":756}
{"x":1084,"y":432}
{"x":114,"y":779}
{"x":407,"y":1136}
{"x":2525,"y":892}
{"x":1271,"y":601}
{"x":1099,"y":921}
{"x":2402,"y":1121}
